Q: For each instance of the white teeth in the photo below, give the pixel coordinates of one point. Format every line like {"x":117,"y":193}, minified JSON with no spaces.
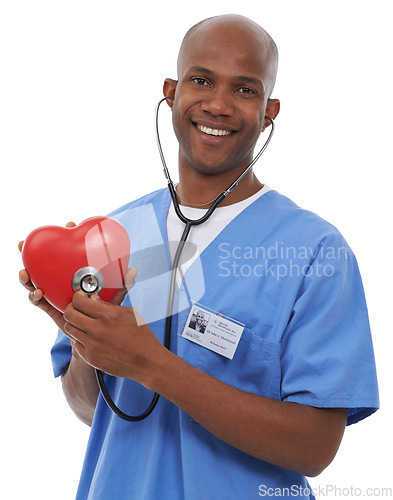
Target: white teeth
{"x":213,"y":131}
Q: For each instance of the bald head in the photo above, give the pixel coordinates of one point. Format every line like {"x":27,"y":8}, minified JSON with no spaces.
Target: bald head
{"x":232,"y":25}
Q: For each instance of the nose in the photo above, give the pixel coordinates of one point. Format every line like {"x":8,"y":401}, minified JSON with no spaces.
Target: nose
{"x":218,"y":103}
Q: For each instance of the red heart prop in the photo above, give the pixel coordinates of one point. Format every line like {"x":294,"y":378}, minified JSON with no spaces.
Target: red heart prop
{"x":52,"y":255}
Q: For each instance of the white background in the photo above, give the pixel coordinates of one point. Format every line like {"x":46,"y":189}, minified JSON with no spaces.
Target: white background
{"x":79,"y":84}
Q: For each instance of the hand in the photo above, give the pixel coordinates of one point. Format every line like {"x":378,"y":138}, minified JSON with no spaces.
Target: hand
{"x":36,"y":296}
{"x":111,"y":338}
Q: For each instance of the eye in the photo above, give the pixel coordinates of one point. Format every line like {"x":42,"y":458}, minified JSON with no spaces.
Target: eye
{"x":247,"y":90}
{"x":200,"y":81}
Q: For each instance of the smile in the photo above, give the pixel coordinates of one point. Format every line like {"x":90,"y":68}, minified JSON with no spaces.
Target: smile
{"x":213,"y":131}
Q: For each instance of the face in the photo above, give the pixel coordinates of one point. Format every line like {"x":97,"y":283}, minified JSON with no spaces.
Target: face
{"x":220,"y":98}
{"x":199,"y":318}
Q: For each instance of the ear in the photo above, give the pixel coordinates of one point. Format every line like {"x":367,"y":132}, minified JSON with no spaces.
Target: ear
{"x":169,"y":90}
{"x":272,"y":110}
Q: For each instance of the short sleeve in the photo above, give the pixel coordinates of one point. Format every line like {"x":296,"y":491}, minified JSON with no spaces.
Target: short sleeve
{"x":327,"y":352}
{"x":61,"y":354}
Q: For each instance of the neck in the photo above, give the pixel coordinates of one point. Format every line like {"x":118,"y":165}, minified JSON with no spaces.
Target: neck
{"x":199,"y":190}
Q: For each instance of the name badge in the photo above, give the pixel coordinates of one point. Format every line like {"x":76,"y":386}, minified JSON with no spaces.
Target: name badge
{"x":213,"y":331}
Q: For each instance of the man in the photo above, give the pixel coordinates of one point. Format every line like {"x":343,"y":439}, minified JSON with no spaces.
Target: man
{"x":197,"y":323}
{"x":303,"y":367}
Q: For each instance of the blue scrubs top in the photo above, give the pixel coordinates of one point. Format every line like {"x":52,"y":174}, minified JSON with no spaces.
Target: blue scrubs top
{"x":292,"y":280}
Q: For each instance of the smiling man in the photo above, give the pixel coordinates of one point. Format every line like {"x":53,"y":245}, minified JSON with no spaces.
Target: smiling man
{"x":260,"y":399}
{"x":226,"y":72}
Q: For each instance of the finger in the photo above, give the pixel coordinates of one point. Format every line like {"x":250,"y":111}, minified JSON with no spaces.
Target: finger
{"x":35,"y":296}
{"x":89,"y":305}
{"x":75,"y":334}
{"x":25,"y":280}
{"x":129,"y":282}
{"x":129,"y":278}
{"x":78,"y":319}
{"x":20,"y":245}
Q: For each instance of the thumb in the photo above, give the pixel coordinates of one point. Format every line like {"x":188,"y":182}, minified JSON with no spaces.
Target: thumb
{"x":129,"y":282}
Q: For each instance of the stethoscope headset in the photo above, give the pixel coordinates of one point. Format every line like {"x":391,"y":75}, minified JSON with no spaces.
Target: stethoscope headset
{"x":188,"y":224}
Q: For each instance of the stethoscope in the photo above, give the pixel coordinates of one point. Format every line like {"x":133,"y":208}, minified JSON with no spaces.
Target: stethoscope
{"x":172,"y":282}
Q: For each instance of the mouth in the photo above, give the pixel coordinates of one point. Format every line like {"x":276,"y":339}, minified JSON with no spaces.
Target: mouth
{"x":216,"y":132}
{"x":213,"y":131}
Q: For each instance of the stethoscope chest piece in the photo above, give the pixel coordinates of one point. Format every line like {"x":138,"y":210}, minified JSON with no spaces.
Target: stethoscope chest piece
{"x":88,"y":279}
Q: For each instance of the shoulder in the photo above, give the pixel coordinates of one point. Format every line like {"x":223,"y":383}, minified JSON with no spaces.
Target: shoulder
{"x":299,"y":224}
{"x":144,"y":218}
{"x":152,"y":198}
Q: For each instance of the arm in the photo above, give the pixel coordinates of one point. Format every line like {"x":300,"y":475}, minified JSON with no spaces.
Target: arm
{"x":79,"y":382}
{"x":290,"y":435}
{"x":80,"y":388}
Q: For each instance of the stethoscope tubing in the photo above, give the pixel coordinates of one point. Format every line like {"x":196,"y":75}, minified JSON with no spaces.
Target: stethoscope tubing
{"x":221,"y":196}
{"x":172,"y":281}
